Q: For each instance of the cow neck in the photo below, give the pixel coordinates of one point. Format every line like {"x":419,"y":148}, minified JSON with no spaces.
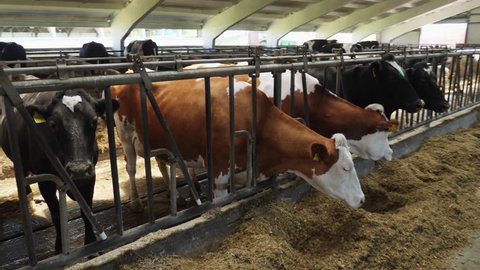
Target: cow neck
{"x":284,"y":144}
{"x":330,"y":114}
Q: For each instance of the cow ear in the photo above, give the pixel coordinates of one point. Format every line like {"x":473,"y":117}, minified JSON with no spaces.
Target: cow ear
{"x":100,"y":106}
{"x":318,"y":152}
{"x":39,"y":112}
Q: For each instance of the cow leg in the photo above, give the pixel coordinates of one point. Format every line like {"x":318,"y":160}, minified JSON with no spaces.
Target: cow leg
{"x":48,"y":191}
{"x":86,"y":188}
{"x":164,"y":170}
{"x":131,"y":166}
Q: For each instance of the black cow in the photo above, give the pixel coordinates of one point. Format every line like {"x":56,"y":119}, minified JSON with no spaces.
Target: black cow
{"x":69,"y":121}
{"x":92,"y":50}
{"x":382,"y":81}
{"x":12,"y":51}
{"x":423,"y":80}
{"x":142,"y":47}
{"x":365,"y":45}
{"x":323,"y":45}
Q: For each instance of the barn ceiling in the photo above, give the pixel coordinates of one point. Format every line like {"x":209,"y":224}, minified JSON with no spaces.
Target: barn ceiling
{"x":277,"y":17}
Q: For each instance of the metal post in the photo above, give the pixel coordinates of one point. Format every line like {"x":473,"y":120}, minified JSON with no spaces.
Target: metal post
{"x":305,"y":93}
{"x":208,"y":126}
{"x":277,"y":88}
{"x":292,"y":92}
{"x":231,"y":101}
{"x":22,"y":193}
{"x":113,"y":160}
{"x":146,"y":151}
{"x":171,"y":141}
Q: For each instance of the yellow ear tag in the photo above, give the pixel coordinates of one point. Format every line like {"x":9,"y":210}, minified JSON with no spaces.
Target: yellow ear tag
{"x":38,"y":118}
{"x":316,"y":157}
{"x":393,"y":128}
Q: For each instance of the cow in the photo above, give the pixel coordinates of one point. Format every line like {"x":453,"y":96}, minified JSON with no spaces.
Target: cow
{"x":366,"y":130}
{"x":12,"y":51}
{"x":283,"y":144}
{"x":142,"y":47}
{"x":323,"y":45}
{"x":67,"y":120}
{"x":365,"y":46}
{"x":384,"y":82}
{"x":93,"y":50}
{"x":424,"y":82}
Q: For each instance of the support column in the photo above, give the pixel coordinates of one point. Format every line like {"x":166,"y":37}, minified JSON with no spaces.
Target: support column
{"x":128,"y":17}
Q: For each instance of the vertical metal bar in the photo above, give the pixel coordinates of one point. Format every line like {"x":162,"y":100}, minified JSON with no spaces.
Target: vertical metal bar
{"x":277,"y":88}
{"x":147,"y":86}
{"x":305,"y":99}
{"x":254,"y":130}
{"x":146,"y":151}
{"x":113,"y":160}
{"x":476,"y":90}
{"x":62,"y":201}
{"x":208,"y":123}
{"x":20,"y":179}
{"x":292,"y":92}
{"x":173,"y":189}
{"x":231,"y":100}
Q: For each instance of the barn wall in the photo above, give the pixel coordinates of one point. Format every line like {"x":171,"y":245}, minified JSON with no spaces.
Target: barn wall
{"x":473,"y":29}
{"x":412,"y":37}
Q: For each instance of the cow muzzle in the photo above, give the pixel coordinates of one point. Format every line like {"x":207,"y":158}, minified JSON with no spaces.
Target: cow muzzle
{"x":79,"y":169}
{"x":415,"y":106}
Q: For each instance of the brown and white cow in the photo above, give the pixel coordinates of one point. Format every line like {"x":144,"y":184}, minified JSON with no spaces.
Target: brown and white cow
{"x":283,"y":144}
{"x":366,"y":129}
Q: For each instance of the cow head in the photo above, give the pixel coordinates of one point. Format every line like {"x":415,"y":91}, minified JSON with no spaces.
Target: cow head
{"x":393,"y":80}
{"x":71,"y":118}
{"x":423,"y":80}
{"x":374,"y":144}
{"x":341,"y":180}
{"x":93,"y":50}
{"x":12,"y":51}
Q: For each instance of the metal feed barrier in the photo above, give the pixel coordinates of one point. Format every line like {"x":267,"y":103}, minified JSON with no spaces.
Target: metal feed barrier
{"x":461,"y":90}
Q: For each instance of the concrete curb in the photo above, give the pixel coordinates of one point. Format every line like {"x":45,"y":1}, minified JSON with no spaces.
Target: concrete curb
{"x":205,"y":232}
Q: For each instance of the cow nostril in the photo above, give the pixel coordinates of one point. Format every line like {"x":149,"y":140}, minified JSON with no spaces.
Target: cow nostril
{"x":79,"y":168}
{"x":362,"y":200}
{"x":421,"y":103}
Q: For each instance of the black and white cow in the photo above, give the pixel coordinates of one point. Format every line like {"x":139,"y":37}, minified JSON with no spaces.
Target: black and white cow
{"x":142,"y":47}
{"x":365,"y":46}
{"x":12,"y":51}
{"x":323,"y":45}
{"x":92,"y":50}
{"x":68,"y":121}
{"x":383,"y":81}
{"x":424,"y":81}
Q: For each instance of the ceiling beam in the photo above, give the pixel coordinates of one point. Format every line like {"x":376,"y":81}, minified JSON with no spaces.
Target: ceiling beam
{"x":126,"y":19}
{"x":59,"y":5}
{"x":329,"y":29}
{"x":281,"y":27}
{"x":433,"y":16}
{"x":215,"y":26}
{"x":53,"y":20}
{"x":379,"y":25}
